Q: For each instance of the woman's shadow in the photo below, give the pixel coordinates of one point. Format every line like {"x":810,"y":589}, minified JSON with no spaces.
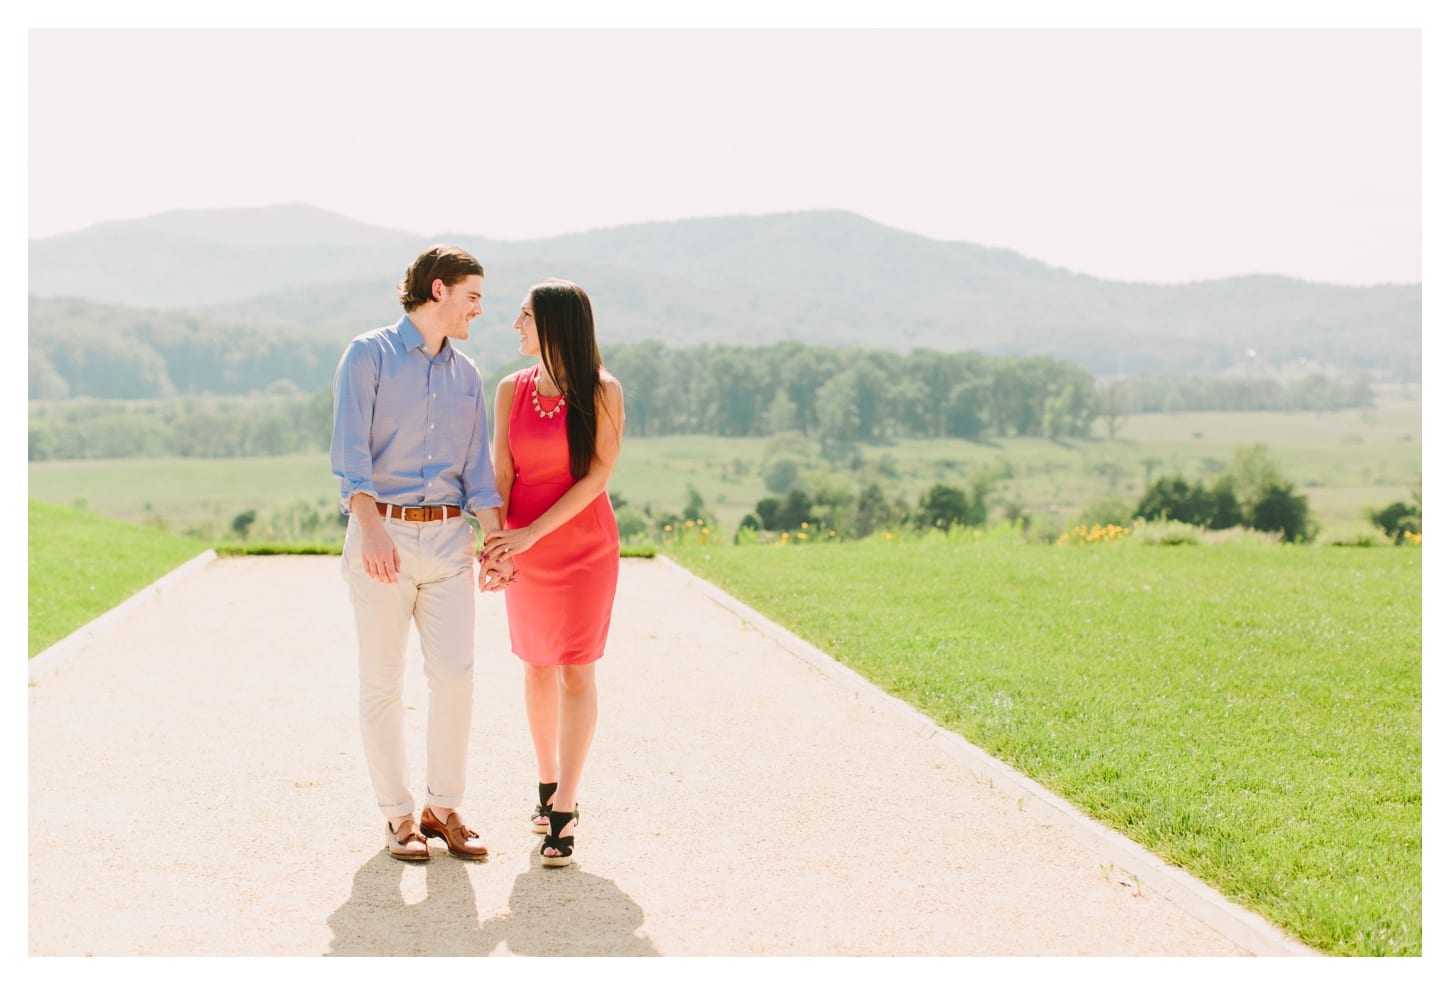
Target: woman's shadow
{"x":552,"y":912}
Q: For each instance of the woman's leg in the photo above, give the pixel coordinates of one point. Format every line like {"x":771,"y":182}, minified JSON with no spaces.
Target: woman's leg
{"x":541,"y":703}
{"x":578,"y":713}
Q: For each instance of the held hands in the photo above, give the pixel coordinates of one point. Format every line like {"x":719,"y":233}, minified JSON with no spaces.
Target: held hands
{"x":493,"y":572}
{"x":508,"y":543}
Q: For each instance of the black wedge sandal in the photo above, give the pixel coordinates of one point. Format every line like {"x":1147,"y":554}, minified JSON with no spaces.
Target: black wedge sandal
{"x":540,"y":817}
{"x":558,"y":821}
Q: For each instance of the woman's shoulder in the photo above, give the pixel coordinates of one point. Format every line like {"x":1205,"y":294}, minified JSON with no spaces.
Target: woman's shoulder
{"x":509,"y":382}
{"x":609,"y":380}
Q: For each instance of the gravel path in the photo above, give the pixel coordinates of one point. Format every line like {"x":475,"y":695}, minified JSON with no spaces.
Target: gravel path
{"x":196,"y":770}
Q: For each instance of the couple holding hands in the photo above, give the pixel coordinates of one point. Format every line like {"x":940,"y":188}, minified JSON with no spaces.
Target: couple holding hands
{"x":412,"y":452}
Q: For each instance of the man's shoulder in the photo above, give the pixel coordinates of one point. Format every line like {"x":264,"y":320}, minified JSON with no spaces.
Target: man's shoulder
{"x":383,"y":335}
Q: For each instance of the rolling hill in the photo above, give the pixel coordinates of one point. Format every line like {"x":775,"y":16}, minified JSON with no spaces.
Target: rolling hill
{"x":236,"y":279}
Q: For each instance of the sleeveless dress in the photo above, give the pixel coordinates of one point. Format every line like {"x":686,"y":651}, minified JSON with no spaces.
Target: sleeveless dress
{"x":561,"y":599}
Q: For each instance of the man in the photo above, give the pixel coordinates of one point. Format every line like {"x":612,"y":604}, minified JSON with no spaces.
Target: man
{"x":410,"y":448}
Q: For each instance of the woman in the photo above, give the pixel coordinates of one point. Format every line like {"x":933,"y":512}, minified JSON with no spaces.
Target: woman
{"x":558,"y":427}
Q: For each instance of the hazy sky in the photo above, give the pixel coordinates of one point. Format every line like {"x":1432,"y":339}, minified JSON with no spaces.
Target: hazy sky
{"x":1153,"y":155}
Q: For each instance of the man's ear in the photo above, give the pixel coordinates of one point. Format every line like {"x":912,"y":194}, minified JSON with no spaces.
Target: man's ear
{"x":437,"y":288}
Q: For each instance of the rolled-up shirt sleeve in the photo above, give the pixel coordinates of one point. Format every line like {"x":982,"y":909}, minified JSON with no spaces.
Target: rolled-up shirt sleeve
{"x":354,"y":389}
{"x":479,"y":485}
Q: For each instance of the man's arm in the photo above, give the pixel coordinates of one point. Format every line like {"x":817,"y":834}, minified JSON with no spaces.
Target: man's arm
{"x":482,"y":495}
{"x":354,"y":390}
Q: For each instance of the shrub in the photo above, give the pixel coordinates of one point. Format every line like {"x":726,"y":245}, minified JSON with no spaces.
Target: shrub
{"x":1167,"y":533}
{"x":1351,"y":535}
{"x":1112,"y":511}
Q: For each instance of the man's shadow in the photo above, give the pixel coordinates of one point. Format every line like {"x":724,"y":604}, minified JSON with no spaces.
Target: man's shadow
{"x":555,"y":912}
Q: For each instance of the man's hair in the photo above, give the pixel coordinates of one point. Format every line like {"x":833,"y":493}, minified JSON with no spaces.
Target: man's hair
{"x":447,"y":263}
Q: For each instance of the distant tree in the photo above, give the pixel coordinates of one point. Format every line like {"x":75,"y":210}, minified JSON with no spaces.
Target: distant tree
{"x":242,"y":523}
{"x":965,"y":412}
{"x":782,"y":475}
{"x":943,"y":506}
{"x":695,"y":506}
{"x":1175,"y":498}
{"x":45,"y":382}
{"x":874,"y":511}
{"x":1110,"y":407}
{"x":787,"y":513}
{"x":782,"y":415}
{"x":839,"y":411}
{"x":1278,"y":508}
{"x":1253,"y":472}
{"x":1224,"y":509}
{"x":1397,"y":519}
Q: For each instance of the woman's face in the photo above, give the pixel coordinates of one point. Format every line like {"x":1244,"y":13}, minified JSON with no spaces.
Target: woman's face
{"x":528,"y":331}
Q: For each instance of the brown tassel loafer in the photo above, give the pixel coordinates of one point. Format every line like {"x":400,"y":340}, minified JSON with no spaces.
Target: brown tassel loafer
{"x":407,"y":843}
{"x":462,"y":842}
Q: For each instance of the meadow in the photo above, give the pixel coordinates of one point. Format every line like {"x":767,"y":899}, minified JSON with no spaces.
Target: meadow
{"x":1248,"y":711}
{"x":81,"y":565}
{"x":1342,"y":461}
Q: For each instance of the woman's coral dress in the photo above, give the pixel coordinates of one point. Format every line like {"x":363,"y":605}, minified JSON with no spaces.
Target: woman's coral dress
{"x":561,"y":599}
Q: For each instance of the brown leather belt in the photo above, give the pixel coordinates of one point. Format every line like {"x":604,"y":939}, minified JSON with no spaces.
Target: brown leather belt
{"x":422,"y":514}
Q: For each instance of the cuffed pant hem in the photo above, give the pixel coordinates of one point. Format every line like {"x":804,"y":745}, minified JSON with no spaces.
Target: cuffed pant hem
{"x":451,"y":803}
{"x":397,"y":810}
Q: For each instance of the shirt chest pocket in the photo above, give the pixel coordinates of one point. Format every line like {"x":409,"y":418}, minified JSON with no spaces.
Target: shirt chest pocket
{"x":456,"y":414}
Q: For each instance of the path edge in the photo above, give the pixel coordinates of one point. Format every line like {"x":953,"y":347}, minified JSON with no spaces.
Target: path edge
{"x":1238,"y":924}
{"x":51,"y":659}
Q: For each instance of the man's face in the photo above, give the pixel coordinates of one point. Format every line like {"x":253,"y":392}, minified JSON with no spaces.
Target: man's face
{"x":459,"y":305}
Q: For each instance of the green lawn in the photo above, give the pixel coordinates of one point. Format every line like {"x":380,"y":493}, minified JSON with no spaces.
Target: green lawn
{"x":1251,"y":713}
{"x":82,"y":565}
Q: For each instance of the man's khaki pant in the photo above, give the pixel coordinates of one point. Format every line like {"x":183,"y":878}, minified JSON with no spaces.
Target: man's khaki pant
{"x":435,"y":590}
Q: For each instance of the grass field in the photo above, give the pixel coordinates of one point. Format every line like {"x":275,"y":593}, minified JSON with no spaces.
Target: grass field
{"x":1343,"y":462}
{"x":82,"y":565}
{"x":1249,"y":712}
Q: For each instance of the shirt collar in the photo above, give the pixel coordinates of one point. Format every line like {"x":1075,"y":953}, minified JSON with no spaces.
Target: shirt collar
{"x":413,"y":339}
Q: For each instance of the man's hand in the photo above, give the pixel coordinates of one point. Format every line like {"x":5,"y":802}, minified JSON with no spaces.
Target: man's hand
{"x":493,"y":573}
{"x":379,"y":555}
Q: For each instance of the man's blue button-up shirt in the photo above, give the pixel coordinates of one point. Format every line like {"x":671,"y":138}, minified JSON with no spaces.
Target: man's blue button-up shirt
{"x":408,"y":429}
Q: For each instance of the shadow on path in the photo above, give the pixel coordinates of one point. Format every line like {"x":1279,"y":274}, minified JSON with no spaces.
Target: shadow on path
{"x":552,"y":912}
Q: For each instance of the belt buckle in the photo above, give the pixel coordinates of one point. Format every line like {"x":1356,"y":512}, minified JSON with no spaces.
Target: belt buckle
{"x":414,"y":509}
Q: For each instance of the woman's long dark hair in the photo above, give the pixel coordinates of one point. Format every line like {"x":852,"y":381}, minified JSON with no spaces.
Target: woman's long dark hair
{"x":564,"y":320}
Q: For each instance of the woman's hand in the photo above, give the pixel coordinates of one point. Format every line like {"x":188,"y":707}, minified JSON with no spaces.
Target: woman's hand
{"x":507,"y":544}
{"x":493,"y":573}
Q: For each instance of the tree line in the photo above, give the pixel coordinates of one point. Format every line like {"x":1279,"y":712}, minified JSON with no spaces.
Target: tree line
{"x":838,"y":397}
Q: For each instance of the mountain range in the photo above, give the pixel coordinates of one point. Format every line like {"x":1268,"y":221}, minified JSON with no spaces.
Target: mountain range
{"x":824,"y":278}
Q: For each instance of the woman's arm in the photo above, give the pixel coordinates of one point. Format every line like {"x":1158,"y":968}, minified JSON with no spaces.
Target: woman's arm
{"x":496,"y":572}
{"x":607,"y":439}
{"x":503,"y":459}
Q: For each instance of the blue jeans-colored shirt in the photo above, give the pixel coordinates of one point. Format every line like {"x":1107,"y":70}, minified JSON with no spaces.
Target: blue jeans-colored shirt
{"x":408,"y":429}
